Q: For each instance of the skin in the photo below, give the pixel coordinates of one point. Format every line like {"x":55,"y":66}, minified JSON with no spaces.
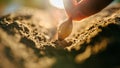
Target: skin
{"x":84,"y":8}
{"x":77,"y":11}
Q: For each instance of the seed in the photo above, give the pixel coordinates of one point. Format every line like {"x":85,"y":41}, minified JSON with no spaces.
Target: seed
{"x":65,"y":29}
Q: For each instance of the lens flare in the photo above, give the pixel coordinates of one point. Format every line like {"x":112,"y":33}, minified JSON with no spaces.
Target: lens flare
{"x":57,"y":3}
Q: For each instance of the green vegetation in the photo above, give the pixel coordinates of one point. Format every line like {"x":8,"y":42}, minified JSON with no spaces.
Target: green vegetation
{"x":118,"y":0}
{"x":5,"y":1}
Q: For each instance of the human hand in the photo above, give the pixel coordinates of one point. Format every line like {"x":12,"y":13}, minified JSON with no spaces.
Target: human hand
{"x":77,"y":11}
{"x":84,"y":8}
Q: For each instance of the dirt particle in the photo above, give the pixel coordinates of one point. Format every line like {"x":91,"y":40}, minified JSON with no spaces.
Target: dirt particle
{"x":28,"y":42}
{"x":8,"y":53}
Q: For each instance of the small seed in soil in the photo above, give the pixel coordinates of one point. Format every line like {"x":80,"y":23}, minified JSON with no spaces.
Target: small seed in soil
{"x":65,"y":29}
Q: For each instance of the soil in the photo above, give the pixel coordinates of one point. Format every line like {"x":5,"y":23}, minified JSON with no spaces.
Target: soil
{"x":94,"y":43}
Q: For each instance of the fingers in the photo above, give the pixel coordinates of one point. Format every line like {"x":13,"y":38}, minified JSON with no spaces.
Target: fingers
{"x":89,"y":7}
{"x":84,"y":8}
{"x":69,"y":6}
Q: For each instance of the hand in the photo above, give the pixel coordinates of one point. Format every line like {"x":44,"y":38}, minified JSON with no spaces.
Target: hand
{"x":84,"y":8}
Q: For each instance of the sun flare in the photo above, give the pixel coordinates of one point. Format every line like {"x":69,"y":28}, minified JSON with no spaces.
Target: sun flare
{"x":57,"y":3}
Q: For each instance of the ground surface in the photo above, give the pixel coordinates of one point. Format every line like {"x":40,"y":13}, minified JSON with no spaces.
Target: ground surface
{"x":95,"y":43}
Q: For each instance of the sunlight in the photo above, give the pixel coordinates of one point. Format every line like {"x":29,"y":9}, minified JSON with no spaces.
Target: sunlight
{"x":57,"y":3}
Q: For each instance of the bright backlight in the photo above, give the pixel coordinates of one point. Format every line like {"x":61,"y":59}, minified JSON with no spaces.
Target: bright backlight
{"x":57,"y":3}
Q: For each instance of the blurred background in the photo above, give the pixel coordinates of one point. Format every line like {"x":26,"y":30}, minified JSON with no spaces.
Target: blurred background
{"x":55,"y":7}
{"x":52,"y":6}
